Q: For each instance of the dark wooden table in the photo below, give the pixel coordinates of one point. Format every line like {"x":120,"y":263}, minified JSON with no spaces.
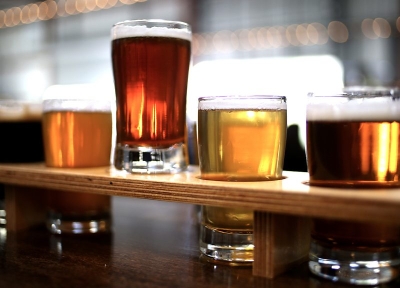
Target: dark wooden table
{"x":153,"y":244}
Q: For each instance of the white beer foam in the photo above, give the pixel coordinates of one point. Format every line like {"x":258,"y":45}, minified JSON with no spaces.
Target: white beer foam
{"x":15,"y":111}
{"x":371,"y":109}
{"x":78,"y":97}
{"x":76,"y":105}
{"x":242,"y":103}
{"x":122,"y":31}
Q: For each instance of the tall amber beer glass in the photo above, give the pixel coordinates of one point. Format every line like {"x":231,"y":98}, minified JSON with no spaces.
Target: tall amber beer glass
{"x":151,"y":62}
{"x":241,"y":138}
{"x":353,"y":141}
{"x":77,"y":133}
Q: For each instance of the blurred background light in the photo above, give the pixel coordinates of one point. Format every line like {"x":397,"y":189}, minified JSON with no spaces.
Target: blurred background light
{"x":338,"y":32}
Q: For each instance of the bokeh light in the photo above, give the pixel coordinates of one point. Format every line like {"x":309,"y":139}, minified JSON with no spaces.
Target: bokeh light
{"x":317,"y":33}
{"x":381,"y":28}
{"x":224,"y":41}
{"x":367,"y":30}
{"x":2,"y":18}
{"x":33,"y":12}
{"x":43,"y":10}
{"x":338,"y":32}
{"x":8,"y":18}
{"x":291,"y":35}
{"x":301,"y":34}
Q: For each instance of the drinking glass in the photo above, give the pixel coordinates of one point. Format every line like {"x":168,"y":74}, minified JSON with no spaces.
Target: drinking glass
{"x":77,"y":133}
{"x":21,"y":130}
{"x":150,"y":63}
{"x":240,"y":138}
{"x":21,"y":140}
{"x":353,"y":141}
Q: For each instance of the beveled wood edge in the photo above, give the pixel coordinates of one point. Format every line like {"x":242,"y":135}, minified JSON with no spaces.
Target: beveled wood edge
{"x":288,"y":196}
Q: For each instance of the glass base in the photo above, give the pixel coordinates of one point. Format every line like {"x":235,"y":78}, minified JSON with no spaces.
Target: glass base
{"x":58,"y":224}
{"x":150,"y":160}
{"x":226,"y":245}
{"x":354,"y":267}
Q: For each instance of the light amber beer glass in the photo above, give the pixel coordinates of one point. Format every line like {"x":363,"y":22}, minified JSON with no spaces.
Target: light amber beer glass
{"x":68,"y":135}
{"x":151,"y":62}
{"x":240,"y":139}
{"x":353,"y":141}
{"x":77,"y":133}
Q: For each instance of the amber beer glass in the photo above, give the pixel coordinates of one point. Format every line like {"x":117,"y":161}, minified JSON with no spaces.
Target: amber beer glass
{"x":353,"y":141}
{"x":151,"y":62}
{"x":241,"y":138}
{"x":77,"y":133}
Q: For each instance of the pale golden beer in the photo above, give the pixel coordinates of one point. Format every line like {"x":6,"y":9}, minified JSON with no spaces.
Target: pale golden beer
{"x":242,"y":145}
{"x":353,"y":140}
{"x":228,"y":218}
{"x":240,"y":139}
{"x":77,"y":133}
{"x":77,"y":139}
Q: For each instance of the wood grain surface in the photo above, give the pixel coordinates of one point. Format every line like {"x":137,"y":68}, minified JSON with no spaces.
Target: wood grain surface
{"x":290,"y":196}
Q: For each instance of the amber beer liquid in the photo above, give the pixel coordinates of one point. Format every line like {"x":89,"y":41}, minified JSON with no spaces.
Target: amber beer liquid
{"x":354,"y":152}
{"x":359,"y":148}
{"x":151,"y":89}
{"x":239,"y":140}
{"x":150,"y":65}
{"x":352,"y":144}
{"x":77,"y":138}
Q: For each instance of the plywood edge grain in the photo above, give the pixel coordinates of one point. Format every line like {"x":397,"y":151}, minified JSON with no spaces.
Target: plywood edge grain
{"x":281,"y":242}
{"x":288,"y":196}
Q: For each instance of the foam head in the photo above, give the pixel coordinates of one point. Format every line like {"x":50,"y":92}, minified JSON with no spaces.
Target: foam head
{"x":16,"y":110}
{"x":79,"y":97}
{"x":353,"y":107}
{"x":151,"y":28}
{"x":255,"y":102}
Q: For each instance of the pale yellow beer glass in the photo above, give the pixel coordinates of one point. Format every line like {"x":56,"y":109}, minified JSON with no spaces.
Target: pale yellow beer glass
{"x":240,"y":138}
{"x":353,"y":141}
{"x":77,"y":133}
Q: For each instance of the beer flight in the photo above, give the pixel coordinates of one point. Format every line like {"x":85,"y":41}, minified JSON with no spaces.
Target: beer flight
{"x":353,"y":140}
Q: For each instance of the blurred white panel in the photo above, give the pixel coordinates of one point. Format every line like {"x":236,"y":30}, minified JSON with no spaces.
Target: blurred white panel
{"x":293,"y":77}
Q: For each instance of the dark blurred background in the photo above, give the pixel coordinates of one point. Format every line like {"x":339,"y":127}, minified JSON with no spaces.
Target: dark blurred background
{"x":288,"y":47}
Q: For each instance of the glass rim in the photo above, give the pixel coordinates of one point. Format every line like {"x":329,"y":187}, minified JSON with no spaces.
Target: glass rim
{"x":355,"y":92}
{"x":243,"y":97}
{"x":242,"y":102}
{"x":153,"y":21}
{"x":151,"y":28}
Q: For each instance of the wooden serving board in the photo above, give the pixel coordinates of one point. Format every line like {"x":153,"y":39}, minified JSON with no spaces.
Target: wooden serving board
{"x":283,"y":208}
